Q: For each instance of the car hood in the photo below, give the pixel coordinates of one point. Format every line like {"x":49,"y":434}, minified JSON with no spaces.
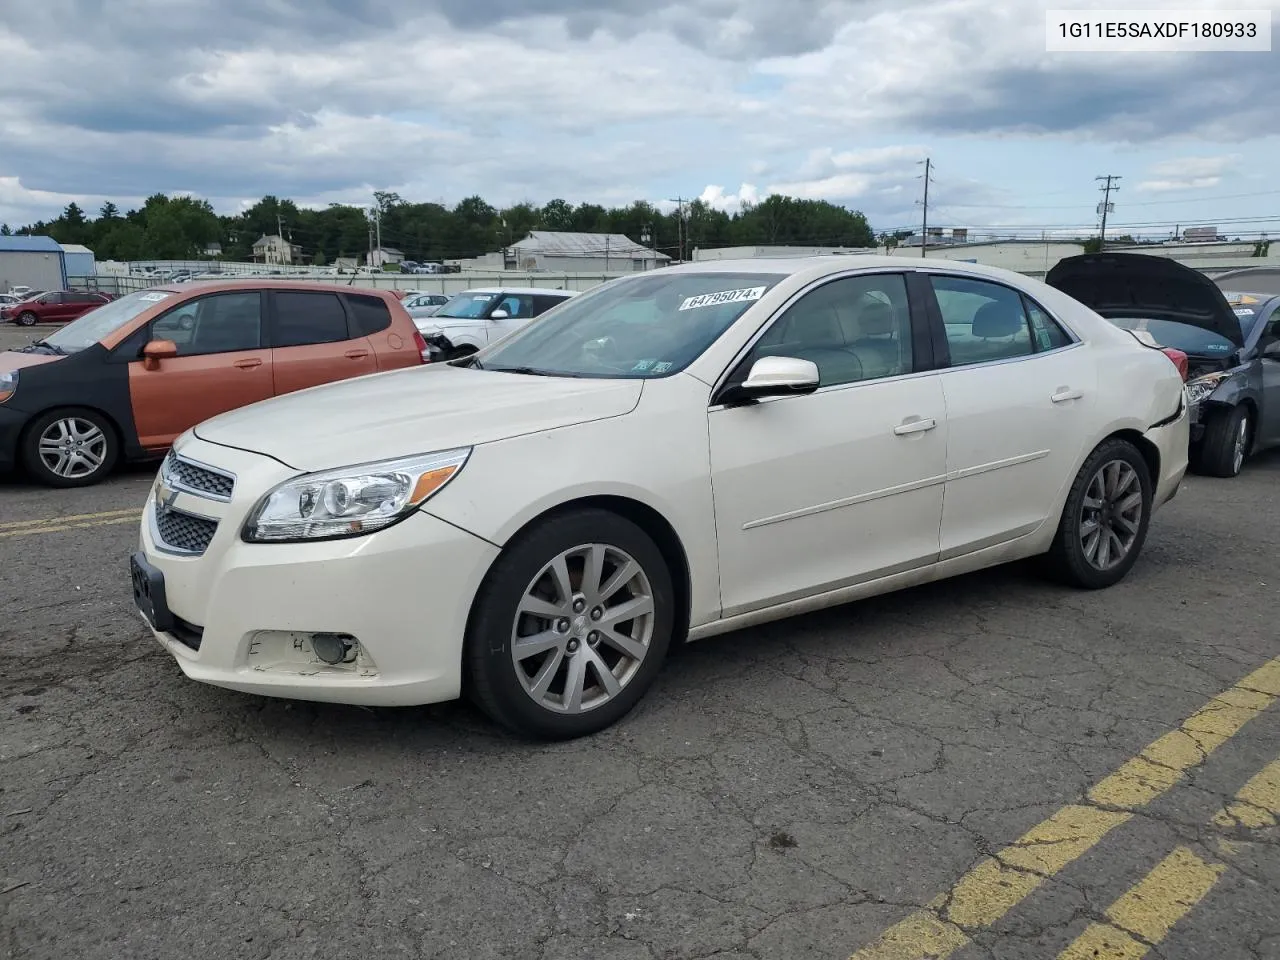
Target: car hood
{"x":1116,"y":285}
{"x":418,"y":410}
{"x":450,"y":323}
{"x":11,"y":360}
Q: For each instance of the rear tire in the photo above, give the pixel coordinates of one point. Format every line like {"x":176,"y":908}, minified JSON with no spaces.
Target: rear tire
{"x":1226,"y":442}
{"x":570,"y":582}
{"x":70,"y":447}
{"x":27,"y":319}
{"x":1104,"y":522}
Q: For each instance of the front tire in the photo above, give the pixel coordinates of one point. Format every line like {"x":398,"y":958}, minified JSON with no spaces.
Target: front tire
{"x":570,"y":627}
{"x":71,"y":447}
{"x":27,"y":319}
{"x":1225,"y":445}
{"x":1104,"y":522}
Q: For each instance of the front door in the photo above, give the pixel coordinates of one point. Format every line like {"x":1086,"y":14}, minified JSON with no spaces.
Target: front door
{"x":312,"y":343}
{"x":518,"y":309}
{"x":816,"y":492}
{"x":221,"y":364}
{"x":1019,"y":393}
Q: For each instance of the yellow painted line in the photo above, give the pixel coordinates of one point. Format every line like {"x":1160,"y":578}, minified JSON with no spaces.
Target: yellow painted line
{"x":1257,"y":804}
{"x":15,"y":524}
{"x":1143,"y":916}
{"x":997,"y":884}
{"x":32,"y":531}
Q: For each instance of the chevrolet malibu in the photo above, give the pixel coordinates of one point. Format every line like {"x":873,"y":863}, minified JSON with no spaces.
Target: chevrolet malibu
{"x":668,"y":456}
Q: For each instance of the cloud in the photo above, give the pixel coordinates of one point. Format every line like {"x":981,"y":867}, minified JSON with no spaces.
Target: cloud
{"x":1188,"y":173}
{"x":607,"y":100}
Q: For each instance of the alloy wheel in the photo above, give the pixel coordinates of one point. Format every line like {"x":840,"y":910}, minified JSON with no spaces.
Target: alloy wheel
{"x":73,"y":448}
{"x":1240,"y":445}
{"x":582,"y":629}
{"x":1111,"y":514}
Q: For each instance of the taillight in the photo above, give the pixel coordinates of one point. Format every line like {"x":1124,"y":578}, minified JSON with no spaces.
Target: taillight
{"x":1179,"y":360}
{"x":422,"y":346}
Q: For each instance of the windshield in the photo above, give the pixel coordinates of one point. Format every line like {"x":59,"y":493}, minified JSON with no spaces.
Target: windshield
{"x":467,"y":305}
{"x":91,"y":327}
{"x":636,"y":327}
{"x":1192,"y":341}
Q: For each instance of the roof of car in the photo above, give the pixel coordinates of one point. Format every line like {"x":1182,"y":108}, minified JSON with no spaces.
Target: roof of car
{"x":203,"y":286}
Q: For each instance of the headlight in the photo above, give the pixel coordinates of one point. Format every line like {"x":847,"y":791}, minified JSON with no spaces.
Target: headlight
{"x":1202,"y":387}
{"x":351,"y":501}
{"x":8,"y":385}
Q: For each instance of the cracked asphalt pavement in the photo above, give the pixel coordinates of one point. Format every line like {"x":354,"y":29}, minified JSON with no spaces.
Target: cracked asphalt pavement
{"x":952,"y":771}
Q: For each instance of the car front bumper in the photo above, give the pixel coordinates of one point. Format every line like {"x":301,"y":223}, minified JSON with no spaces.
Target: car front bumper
{"x":242,"y":615}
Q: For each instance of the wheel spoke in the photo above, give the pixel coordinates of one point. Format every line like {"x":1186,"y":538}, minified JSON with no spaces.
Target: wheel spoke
{"x":1130,"y":503}
{"x":593,"y":571}
{"x":621,"y":577}
{"x":1104,"y":548}
{"x":601,"y":669}
{"x":575,"y":683}
{"x":623,"y":644}
{"x":537,"y":607}
{"x":547,"y":673}
{"x":1127,"y":477}
{"x":1091,"y":545}
{"x":1088,"y":527}
{"x":525,"y":647}
{"x":1120,"y":548}
{"x":560,"y":573}
{"x":93,"y":459}
{"x":627,"y":610}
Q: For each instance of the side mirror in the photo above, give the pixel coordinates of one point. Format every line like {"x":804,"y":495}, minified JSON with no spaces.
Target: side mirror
{"x":499,"y":315}
{"x":775,"y":377}
{"x":158,"y":350}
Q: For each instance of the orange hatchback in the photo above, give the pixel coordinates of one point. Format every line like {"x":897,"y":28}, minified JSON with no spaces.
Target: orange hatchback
{"x":123,"y":381}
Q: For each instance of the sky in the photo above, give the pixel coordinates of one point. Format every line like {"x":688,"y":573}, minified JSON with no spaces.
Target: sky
{"x":611,"y":101}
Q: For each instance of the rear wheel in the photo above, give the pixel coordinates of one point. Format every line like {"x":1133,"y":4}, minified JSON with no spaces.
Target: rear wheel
{"x":571,"y":626}
{"x":1105,"y":519}
{"x":1225,"y":445}
{"x":459,"y":352}
{"x":27,"y":318}
{"x":70,"y":448}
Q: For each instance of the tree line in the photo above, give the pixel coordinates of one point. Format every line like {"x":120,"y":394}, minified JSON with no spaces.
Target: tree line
{"x":184,"y":228}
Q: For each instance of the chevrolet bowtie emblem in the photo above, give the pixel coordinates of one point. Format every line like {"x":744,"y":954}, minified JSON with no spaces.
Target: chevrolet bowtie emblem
{"x":165,"y":495}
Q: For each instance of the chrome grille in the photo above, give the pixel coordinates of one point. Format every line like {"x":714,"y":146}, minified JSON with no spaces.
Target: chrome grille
{"x":196,"y":478}
{"x":184,"y":532}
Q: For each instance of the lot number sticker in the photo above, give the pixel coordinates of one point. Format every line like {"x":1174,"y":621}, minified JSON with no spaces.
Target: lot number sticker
{"x":153,"y":297}
{"x":724,"y":296}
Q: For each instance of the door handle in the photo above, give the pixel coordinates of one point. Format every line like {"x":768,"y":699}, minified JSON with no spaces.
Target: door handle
{"x":1066,"y":393}
{"x":356,"y":354}
{"x":917,"y":425}
{"x":249,"y":363}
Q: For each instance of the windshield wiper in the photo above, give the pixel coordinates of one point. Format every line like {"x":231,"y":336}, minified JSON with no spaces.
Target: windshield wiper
{"x":530,"y":371}
{"x":49,"y":346}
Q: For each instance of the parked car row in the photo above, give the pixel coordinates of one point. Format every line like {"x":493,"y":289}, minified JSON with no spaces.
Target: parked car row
{"x":57,"y":306}
{"x":671,"y":455}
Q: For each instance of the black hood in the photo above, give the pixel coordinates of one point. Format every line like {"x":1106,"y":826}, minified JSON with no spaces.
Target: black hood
{"x":1118,"y":285}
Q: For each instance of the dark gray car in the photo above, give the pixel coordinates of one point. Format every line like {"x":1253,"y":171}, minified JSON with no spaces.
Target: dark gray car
{"x":1232,"y":343}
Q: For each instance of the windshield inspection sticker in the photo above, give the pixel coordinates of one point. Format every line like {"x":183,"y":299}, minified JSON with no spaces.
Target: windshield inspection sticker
{"x":661,"y":367}
{"x":153,"y":297}
{"x":724,"y":296}
{"x":1242,"y":312}
{"x":642,"y":365}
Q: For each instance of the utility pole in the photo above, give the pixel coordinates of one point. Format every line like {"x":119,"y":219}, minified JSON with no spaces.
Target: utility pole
{"x":1105,"y":208}
{"x":679,"y":202}
{"x":924,"y":224}
{"x":280,"y":234}
{"x":606,"y":253}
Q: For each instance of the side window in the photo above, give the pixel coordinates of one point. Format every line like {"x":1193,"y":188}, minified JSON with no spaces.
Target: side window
{"x":219,"y":323}
{"x":303,"y":318}
{"x":518,"y":306}
{"x":53,"y":298}
{"x":984,"y":321}
{"x":369,"y":315}
{"x":543,"y":303}
{"x":855,"y":328}
{"x":1046,"y":331}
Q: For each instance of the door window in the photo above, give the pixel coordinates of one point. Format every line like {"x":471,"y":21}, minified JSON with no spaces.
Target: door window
{"x":984,"y":321}
{"x":303,"y":317}
{"x":543,"y":303}
{"x":517,"y":306}
{"x":1046,"y":331}
{"x":855,"y":328}
{"x":218,"y":323}
{"x":369,"y":315}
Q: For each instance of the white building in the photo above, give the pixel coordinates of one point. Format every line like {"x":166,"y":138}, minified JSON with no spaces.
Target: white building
{"x":1023,"y":256}
{"x":381,"y":256}
{"x":549,"y":250}
{"x":737,"y":253}
{"x":275,"y":249}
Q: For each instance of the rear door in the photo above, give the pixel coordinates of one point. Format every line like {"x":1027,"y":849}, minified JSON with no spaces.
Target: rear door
{"x":312,"y":341}
{"x":1019,"y":392}
{"x":222,"y":364}
{"x":393,"y":344}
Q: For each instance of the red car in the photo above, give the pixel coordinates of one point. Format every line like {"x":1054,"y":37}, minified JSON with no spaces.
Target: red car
{"x":56,"y":307}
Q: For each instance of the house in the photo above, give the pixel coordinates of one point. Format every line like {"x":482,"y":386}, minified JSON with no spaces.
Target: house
{"x":212,"y":250}
{"x":275,"y":249}
{"x":383,"y":256}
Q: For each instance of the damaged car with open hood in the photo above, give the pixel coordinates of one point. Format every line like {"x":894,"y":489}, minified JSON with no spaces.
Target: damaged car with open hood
{"x":1231,"y":344}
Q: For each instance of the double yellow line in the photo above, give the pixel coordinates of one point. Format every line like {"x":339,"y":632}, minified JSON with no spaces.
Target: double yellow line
{"x":26,"y":528}
{"x":1141,"y":917}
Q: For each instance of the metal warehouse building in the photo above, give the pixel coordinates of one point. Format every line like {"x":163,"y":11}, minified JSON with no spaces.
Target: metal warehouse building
{"x":36,"y":262}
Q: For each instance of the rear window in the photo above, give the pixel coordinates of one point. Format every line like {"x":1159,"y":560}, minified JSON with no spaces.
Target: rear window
{"x":369,"y":315}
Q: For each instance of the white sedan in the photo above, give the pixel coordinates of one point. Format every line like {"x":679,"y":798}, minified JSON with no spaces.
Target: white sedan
{"x":668,"y":456}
